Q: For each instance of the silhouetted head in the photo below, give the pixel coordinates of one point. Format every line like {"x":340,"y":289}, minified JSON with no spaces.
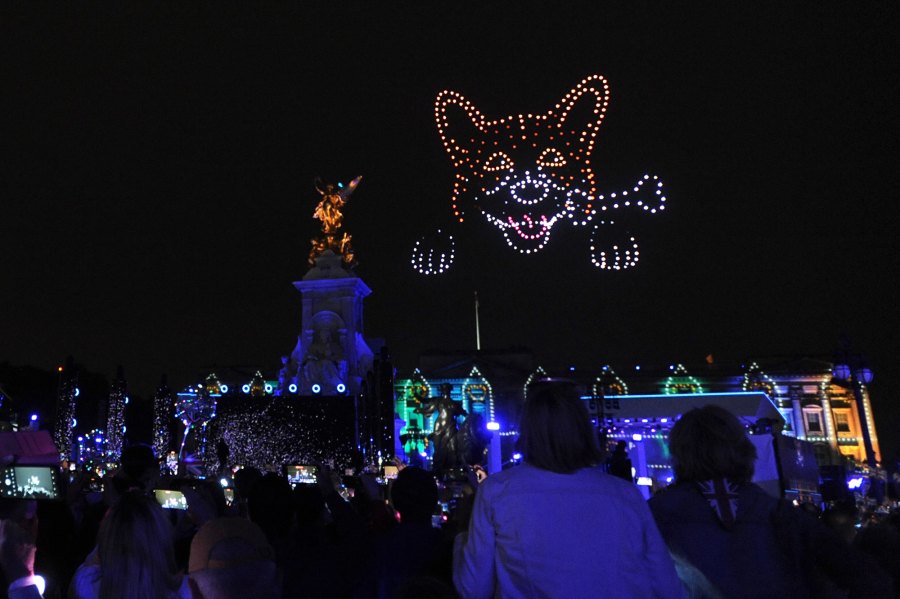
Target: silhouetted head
{"x":139,"y":469}
{"x":231,"y":559}
{"x":710,"y":442}
{"x":244,"y":481}
{"x":555,"y":431}
{"x":270,"y":505}
{"x":414,"y":494}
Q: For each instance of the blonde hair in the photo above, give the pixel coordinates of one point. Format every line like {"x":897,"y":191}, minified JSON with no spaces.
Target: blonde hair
{"x":134,"y":544}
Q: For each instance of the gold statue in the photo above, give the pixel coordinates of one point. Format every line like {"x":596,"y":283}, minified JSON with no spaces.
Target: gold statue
{"x":329,"y":212}
{"x":329,"y":208}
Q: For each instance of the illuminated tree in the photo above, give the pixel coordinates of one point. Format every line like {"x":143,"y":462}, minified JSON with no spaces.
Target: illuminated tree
{"x":163,"y":412}
{"x":65,"y":408}
{"x":115,"y":417}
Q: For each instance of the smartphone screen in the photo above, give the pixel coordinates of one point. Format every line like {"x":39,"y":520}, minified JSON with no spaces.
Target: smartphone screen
{"x":30,"y":482}
{"x":390,"y":472}
{"x":301,"y":474}
{"x":171,"y":500}
{"x":229,"y":495}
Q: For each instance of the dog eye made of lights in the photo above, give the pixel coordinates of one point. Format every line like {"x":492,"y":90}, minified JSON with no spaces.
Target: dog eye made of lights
{"x":531,"y":173}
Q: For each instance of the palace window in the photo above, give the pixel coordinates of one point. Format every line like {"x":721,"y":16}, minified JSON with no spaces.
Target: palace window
{"x":813,"y":422}
{"x":842,"y":422}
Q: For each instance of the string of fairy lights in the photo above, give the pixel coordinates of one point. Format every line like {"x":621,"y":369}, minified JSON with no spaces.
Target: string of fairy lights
{"x":525,"y":173}
{"x":681,"y":382}
{"x":757,"y":380}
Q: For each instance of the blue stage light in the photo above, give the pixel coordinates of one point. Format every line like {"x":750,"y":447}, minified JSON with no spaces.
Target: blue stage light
{"x":292,"y":388}
{"x":317,"y":388}
{"x":245,"y":388}
{"x":637,"y":437}
{"x":493,"y":426}
{"x":223,"y":388}
{"x":341,"y":387}
{"x":268,"y":388}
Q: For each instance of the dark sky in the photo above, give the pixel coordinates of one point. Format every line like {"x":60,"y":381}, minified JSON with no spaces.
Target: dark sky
{"x":158,"y":163}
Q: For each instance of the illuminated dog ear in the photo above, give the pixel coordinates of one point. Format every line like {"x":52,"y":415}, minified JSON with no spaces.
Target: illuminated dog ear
{"x":451,"y":111}
{"x":583,"y":108}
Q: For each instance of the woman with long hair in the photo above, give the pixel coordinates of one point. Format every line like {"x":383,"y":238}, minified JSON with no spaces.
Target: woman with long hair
{"x":731,"y":539}
{"x":558,"y":525}
{"x":134,"y":557}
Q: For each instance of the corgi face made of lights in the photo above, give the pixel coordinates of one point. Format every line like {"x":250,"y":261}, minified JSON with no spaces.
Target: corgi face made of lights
{"x":530,"y":173}
{"x":524,"y":173}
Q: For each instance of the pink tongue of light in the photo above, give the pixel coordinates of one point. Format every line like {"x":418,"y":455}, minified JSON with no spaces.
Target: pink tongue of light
{"x":527,"y":221}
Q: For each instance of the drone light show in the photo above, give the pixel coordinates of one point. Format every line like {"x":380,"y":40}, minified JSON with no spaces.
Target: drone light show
{"x":531,"y":174}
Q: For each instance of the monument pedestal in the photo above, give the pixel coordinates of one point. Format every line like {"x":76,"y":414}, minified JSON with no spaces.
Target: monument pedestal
{"x":331,"y":356}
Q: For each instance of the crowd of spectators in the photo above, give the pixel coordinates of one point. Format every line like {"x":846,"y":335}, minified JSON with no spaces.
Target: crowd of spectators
{"x":557,"y":525}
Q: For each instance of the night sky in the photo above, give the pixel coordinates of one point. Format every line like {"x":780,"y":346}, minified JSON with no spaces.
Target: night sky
{"x":158,"y":163}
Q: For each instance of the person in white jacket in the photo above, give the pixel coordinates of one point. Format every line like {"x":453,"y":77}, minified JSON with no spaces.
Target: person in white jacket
{"x":558,"y":525}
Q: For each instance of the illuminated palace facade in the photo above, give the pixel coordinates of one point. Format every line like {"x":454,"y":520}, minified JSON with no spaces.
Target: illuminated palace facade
{"x":818,"y":405}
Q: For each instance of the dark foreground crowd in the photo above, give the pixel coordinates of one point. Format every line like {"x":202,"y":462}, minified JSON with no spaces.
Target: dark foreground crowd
{"x":557,"y":525}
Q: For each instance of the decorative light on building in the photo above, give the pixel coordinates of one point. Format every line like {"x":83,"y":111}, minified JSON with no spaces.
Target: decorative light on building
{"x":757,"y":380}
{"x":681,"y":382}
{"x":538,"y":373}
{"x":553,"y":180}
{"x":609,"y":383}
{"x":481,"y":390}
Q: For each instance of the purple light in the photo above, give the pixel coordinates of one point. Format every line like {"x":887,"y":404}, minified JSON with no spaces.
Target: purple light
{"x":34,"y":417}
{"x":517,"y":456}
